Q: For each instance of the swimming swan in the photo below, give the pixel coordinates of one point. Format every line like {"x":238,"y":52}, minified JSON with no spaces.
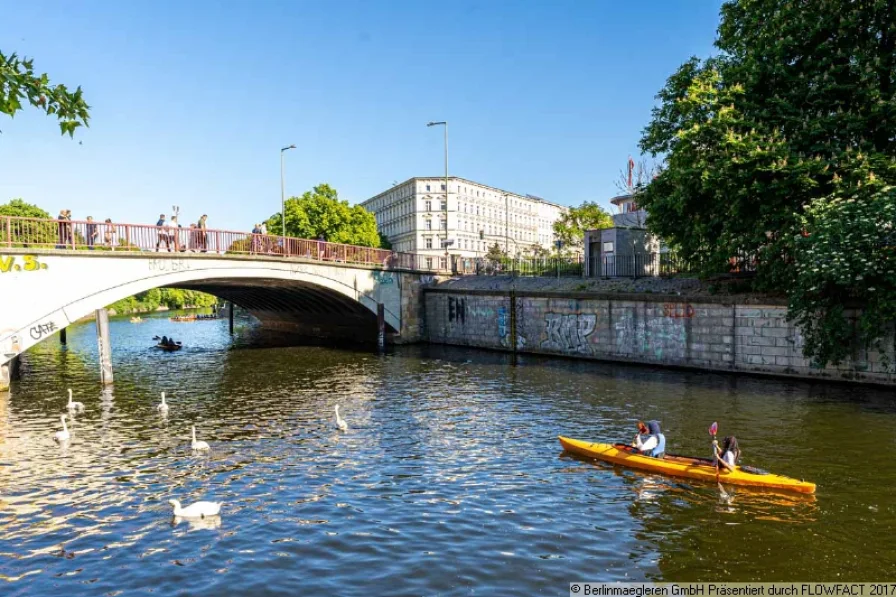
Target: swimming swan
{"x":197,"y":510}
{"x":162,"y":408}
{"x":200,"y":445}
{"x":78,"y":406}
{"x":340,"y":422}
{"x":64,"y":435}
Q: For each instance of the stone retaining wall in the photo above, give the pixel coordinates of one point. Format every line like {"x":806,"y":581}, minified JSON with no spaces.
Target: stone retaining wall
{"x":706,"y":334}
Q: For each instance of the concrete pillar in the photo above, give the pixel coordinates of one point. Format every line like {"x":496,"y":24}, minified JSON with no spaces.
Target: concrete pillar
{"x":15,"y":369}
{"x":230,"y":316}
{"x":105,"y":346}
{"x":381,"y":325}
{"x":5,"y":377}
{"x":63,"y":338}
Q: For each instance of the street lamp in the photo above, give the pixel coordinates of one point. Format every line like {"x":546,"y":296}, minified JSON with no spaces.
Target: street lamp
{"x":445,"y":124}
{"x":283,"y":194}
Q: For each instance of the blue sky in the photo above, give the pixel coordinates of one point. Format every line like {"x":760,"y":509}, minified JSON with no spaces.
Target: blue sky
{"x":191,"y":101}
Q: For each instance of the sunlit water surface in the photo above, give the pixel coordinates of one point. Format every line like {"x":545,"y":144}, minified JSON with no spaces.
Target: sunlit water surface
{"x":450,"y":479}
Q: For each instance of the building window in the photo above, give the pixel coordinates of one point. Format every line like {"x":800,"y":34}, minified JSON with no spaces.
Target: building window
{"x":428,"y":206}
{"x":444,"y":205}
{"x":443,"y":263}
{"x":428,"y":225}
{"x":443,"y":187}
{"x":608,"y":247}
{"x":429,"y":263}
{"x":428,"y":242}
{"x":427,"y":187}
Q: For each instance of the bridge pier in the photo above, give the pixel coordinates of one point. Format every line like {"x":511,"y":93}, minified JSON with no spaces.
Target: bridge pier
{"x":230,"y":316}
{"x":105,"y":346}
{"x":62,"y":336}
{"x":5,"y":377}
{"x":380,"y":326}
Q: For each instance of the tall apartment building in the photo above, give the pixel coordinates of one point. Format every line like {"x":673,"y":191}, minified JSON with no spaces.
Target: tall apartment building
{"x":419,"y":216}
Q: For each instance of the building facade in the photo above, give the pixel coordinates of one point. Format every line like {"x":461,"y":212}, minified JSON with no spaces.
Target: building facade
{"x":627,"y":249}
{"x":420,"y":216}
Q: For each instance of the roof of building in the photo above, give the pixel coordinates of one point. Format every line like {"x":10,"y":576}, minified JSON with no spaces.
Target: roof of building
{"x":415,"y":178}
{"x":620,"y":199}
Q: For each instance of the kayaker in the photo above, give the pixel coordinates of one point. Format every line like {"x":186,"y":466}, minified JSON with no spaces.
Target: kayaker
{"x":650,"y":440}
{"x":164,"y":341}
{"x":729,"y":454}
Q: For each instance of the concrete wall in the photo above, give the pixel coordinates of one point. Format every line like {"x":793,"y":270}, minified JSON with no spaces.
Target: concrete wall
{"x":705,"y":334}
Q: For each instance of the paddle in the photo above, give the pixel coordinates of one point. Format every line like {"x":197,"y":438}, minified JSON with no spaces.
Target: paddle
{"x":713,"y":430}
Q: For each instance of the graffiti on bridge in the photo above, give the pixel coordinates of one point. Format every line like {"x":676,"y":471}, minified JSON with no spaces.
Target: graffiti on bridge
{"x":42,"y":329}
{"x":30,"y":263}
{"x":678,"y":311}
{"x":168,"y":265}
{"x":383,"y":277}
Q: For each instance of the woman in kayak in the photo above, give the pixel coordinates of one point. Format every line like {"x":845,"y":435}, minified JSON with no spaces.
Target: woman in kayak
{"x":650,"y":440}
{"x":729,"y":454}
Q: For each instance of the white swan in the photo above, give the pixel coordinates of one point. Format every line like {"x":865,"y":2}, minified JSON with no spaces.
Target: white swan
{"x":197,"y":510}
{"x":162,"y":408}
{"x":340,"y":422}
{"x":200,"y":445}
{"x":64,"y":435}
{"x":77,"y":406}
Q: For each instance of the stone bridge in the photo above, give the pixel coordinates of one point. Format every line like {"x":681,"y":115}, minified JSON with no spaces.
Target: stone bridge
{"x":45,"y":290}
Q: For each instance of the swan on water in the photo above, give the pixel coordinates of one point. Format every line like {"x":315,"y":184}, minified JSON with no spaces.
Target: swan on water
{"x":197,"y":510}
{"x":198,"y":445}
{"x":340,"y":422}
{"x":76,"y":406}
{"x":163,"y":408}
{"x":64,"y":435}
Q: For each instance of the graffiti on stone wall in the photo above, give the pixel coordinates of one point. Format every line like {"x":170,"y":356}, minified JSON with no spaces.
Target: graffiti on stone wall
{"x":569,"y":332}
{"x":30,"y":263}
{"x":383,"y":277}
{"x":457,"y":309}
{"x":652,"y":337}
{"x":678,"y":311}
{"x":502,"y":325}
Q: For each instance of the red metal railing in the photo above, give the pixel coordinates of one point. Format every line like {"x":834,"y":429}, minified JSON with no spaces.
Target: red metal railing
{"x":70,"y":235}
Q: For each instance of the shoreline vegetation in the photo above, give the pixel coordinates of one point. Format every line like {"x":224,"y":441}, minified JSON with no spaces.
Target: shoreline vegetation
{"x":162,"y":299}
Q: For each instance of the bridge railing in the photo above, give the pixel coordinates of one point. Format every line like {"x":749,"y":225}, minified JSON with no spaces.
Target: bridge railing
{"x":81,"y":235}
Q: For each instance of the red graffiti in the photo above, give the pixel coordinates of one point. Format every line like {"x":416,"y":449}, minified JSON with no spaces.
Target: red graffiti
{"x":678,"y":311}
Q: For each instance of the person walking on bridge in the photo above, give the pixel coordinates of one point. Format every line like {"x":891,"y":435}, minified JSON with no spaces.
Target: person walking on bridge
{"x":163,"y":233}
{"x":203,"y":235}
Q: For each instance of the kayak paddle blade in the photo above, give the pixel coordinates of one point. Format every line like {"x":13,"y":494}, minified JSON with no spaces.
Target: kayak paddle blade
{"x":714,"y":428}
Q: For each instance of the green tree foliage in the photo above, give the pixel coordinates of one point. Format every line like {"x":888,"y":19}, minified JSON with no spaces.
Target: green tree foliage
{"x":320,"y":212}
{"x":795,"y":116}
{"x":18,"y":208}
{"x":172,"y":298}
{"x":496,"y":254}
{"x":570,"y":228}
{"x":19,"y":84}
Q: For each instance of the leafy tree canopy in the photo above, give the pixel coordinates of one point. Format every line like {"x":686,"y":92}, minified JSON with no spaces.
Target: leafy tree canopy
{"x":570,"y":227}
{"x":320,"y":212}
{"x":19,"y":84}
{"x":18,"y":208}
{"x":767,"y":143}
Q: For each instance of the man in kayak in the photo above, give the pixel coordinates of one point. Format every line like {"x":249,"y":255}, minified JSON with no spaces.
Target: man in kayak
{"x":650,"y":440}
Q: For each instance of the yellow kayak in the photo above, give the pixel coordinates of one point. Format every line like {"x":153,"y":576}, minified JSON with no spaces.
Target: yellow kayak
{"x":684,"y":466}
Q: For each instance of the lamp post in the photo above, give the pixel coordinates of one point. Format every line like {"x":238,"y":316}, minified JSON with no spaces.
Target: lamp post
{"x":283,"y":194}
{"x":445,"y":124}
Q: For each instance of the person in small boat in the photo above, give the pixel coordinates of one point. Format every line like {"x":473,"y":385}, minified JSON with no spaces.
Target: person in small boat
{"x":728,"y":455}
{"x":650,"y":440}
{"x":164,"y":341}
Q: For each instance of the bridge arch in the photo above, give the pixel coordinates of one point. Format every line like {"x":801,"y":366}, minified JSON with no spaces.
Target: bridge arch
{"x":316,"y":298}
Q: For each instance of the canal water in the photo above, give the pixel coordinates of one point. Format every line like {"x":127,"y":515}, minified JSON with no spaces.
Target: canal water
{"x":449,"y":481}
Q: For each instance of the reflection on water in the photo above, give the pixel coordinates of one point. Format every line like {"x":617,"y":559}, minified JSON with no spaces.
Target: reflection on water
{"x":449,"y":480}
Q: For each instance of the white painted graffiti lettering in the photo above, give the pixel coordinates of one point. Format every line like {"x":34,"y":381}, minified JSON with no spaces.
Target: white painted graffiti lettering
{"x":569,"y":332}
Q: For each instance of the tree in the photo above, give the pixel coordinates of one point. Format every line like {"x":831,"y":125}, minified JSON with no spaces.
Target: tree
{"x":18,"y":84}
{"x":320,"y":213}
{"x":18,"y":208}
{"x":570,"y":228}
{"x":795,"y":116}
{"x":496,"y":254}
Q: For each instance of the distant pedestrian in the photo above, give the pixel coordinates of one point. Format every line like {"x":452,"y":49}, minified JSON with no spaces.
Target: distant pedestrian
{"x":109,"y":234}
{"x":91,"y":233}
{"x":203,"y":233}
{"x":163,"y":233}
{"x":256,"y":238}
{"x":195,"y":238}
{"x":321,"y":245}
{"x":65,"y":229}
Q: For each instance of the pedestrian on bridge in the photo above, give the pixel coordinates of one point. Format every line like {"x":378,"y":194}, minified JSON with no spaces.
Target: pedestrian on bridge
{"x":91,"y":233}
{"x":203,"y":235}
{"x":163,"y":233}
{"x":109,"y":234}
